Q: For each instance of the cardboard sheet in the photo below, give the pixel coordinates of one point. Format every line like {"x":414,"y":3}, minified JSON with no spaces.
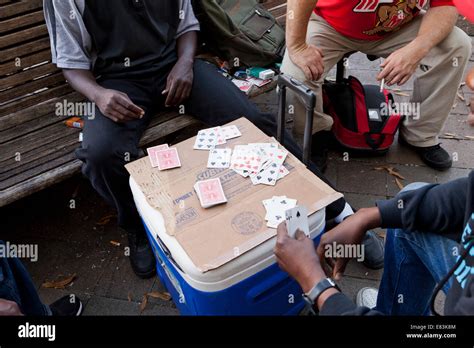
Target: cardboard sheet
{"x":215,"y":236}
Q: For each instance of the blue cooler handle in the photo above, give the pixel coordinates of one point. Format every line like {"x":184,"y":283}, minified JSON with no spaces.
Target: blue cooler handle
{"x":167,"y":253}
{"x":267,"y":288}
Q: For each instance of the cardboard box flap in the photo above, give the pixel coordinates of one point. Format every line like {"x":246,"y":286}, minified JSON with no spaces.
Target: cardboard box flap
{"x":215,"y":236}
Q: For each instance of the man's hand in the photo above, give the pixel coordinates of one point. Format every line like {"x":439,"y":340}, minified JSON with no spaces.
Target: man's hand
{"x":117,"y":106}
{"x":401,"y":65}
{"x":309,"y":59}
{"x":298,"y":258}
{"x":9,"y":309}
{"x":350,"y":232}
{"x":179,"y":83}
{"x":470,"y":84}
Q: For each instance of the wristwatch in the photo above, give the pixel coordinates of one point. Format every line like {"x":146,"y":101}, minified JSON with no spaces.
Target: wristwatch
{"x":312,"y":296}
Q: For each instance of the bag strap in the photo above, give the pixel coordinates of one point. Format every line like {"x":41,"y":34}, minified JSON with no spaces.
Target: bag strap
{"x":362,"y":115}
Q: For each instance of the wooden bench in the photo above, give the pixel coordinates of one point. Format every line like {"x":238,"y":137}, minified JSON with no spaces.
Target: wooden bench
{"x":36,"y":148}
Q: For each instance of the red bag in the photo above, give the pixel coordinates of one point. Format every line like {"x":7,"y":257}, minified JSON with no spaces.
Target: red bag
{"x":364,"y":118}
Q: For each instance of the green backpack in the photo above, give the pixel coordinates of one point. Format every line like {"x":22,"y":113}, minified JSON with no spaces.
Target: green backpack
{"x":240,"y":31}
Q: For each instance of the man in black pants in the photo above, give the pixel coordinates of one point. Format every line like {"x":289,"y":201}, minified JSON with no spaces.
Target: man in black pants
{"x":133,"y":58}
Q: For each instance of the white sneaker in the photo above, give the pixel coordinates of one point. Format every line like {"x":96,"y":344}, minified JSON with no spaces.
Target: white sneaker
{"x":367,"y":297}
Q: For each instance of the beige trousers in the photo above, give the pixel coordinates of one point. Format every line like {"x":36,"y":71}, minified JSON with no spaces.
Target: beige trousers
{"x":434,"y":88}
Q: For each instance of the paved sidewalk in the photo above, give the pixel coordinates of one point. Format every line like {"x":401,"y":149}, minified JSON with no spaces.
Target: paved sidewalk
{"x":77,"y":241}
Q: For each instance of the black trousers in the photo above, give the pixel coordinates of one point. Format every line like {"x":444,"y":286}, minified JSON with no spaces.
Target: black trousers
{"x":108,"y":145}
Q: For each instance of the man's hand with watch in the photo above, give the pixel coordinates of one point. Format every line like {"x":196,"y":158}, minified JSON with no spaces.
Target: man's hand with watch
{"x":299,"y":258}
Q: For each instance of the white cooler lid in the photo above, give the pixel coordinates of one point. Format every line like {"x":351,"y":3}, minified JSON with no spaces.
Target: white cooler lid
{"x":230,"y":273}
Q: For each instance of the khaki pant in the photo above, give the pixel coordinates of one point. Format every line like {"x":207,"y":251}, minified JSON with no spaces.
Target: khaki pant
{"x":434,"y":88}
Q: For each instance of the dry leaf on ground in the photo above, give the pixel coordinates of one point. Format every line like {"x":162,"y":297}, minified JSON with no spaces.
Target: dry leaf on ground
{"x":59,"y":284}
{"x":399,"y":184}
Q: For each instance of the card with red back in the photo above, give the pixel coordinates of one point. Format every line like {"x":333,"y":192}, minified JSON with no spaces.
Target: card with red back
{"x":152,"y":153}
{"x":168,"y":159}
{"x":210,"y":192}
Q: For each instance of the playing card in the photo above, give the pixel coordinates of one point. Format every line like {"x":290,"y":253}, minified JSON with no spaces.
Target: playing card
{"x":244,"y":161}
{"x":168,"y":159}
{"x":267,"y":176}
{"x":297,"y":219}
{"x":208,"y":139}
{"x":276,"y":208}
{"x":271,"y":173}
{"x":152,"y":153}
{"x":219,"y":158}
{"x":231,"y":132}
{"x":283,"y":172}
{"x":210,"y":192}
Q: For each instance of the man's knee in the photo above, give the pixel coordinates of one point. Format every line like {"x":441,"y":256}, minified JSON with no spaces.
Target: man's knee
{"x":102,"y":156}
{"x":414,"y":186}
{"x":460,"y":43}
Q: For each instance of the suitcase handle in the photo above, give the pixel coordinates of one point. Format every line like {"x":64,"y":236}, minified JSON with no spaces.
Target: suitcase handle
{"x":309,"y":99}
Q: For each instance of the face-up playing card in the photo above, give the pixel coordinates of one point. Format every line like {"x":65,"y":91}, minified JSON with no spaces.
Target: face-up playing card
{"x":297,"y":219}
{"x":276,"y":208}
{"x":219,"y":158}
{"x":168,"y":159}
{"x":231,"y":132}
{"x":283,"y":172}
{"x":152,"y":153}
{"x":268,"y":175}
{"x":210,"y":193}
{"x":271,"y":173}
{"x":208,"y":139}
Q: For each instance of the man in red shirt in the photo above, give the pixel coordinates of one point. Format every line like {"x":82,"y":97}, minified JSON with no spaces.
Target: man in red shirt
{"x":419,"y":43}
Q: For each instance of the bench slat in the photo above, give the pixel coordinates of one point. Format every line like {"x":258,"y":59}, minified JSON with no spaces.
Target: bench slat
{"x":33,"y":141}
{"x":62,"y":156}
{"x":33,"y":86}
{"x":29,"y":34}
{"x":24,"y":50}
{"x":34,"y":100}
{"x":39,"y":182}
{"x":21,"y":22}
{"x":19,"y":7}
{"x":12,"y":67}
{"x":27,"y":75}
{"x":27,"y":120}
{"x":12,"y":167}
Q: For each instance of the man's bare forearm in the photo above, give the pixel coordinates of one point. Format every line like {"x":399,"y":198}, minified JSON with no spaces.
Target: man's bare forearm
{"x":436,"y":25}
{"x":299,"y":13}
{"x":84,"y":82}
{"x":187,"y":46}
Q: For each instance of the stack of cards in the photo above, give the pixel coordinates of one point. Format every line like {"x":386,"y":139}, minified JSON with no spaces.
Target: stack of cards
{"x":219,"y":158}
{"x":163,"y":157}
{"x":208,"y":139}
{"x":262,"y":162}
{"x":210,"y":193}
{"x":276,"y":208}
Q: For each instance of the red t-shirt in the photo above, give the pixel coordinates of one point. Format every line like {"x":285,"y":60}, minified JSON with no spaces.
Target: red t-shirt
{"x":371,"y":19}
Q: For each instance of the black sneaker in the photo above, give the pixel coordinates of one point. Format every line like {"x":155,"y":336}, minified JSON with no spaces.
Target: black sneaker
{"x":142,"y":258}
{"x":434,"y":156}
{"x":67,"y":306}
{"x":374,"y":249}
{"x":320,"y":149}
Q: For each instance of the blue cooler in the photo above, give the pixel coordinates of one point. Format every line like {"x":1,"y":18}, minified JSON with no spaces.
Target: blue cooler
{"x":251,"y":284}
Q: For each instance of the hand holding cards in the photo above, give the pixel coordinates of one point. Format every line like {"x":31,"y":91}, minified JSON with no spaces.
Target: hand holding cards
{"x":210,"y":193}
